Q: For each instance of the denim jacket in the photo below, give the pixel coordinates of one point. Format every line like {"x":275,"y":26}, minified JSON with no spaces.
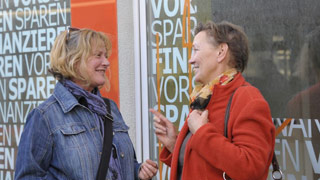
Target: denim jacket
{"x":61,"y":140}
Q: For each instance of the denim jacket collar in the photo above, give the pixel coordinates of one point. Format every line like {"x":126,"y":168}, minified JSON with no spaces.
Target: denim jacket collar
{"x":65,"y":99}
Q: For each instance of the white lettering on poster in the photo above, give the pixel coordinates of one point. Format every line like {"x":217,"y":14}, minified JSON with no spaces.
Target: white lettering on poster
{"x":166,"y":27}
{"x":296,"y":145}
{"x":164,"y":5}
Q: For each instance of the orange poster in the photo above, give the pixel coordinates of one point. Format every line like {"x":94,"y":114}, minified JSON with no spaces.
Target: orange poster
{"x":100,"y":15}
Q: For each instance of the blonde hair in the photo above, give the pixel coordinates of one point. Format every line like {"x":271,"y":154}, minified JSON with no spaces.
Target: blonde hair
{"x":72,"y":48}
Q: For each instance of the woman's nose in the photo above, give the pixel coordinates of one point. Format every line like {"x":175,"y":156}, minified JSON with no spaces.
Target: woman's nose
{"x":106,"y":62}
{"x":191,"y":60}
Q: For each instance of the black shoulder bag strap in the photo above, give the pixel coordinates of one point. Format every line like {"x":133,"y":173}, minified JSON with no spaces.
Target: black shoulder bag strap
{"x":276,"y":173}
{"x":107,"y":143}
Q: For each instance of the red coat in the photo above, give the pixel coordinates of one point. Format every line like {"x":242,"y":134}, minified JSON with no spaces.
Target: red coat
{"x":247,"y":153}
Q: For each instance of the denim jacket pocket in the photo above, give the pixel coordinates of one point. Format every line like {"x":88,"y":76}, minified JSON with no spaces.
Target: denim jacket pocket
{"x":119,"y":126}
{"x":73,"y":130}
{"x":73,"y":136}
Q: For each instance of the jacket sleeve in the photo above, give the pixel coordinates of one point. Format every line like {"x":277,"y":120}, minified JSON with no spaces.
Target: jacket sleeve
{"x":136,"y":167}
{"x":248,"y":151}
{"x":34,"y":151}
{"x":166,"y":156}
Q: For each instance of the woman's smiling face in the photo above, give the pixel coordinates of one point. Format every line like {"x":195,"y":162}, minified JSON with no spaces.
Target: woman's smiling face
{"x":97,"y":65}
{"x":204,"y":58}
{"x":95,"y":70}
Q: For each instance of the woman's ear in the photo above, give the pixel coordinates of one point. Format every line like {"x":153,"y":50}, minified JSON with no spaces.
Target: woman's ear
{"x":223,"y":50}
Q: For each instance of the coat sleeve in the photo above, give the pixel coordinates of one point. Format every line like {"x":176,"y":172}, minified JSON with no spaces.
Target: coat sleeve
{"x":34,"y":151}
{"x":248,"y":151}
{"x":166,"y":157}
{"x":137,"y":167}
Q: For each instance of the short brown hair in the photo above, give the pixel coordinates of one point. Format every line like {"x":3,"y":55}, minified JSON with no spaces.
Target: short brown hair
{"x":233,"y":36}
{"x":75,"y":47}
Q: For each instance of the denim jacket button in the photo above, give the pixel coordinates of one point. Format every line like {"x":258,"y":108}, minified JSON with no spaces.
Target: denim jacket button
{"x":122,"y":155}
{"x":100,"y":153}
{"x":113,"y":133}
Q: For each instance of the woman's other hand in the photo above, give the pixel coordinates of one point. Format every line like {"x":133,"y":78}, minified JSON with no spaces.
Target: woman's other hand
{"x":164,"y":130}
{"x":197,"y":119}
{"x":148,"y":169}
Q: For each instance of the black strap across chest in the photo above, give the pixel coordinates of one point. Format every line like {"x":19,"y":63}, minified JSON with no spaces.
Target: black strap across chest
{"x":107,"y":143}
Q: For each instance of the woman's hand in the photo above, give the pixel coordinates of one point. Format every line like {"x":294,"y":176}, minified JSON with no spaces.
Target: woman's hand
{"x":148,"y":169}
{"x":197,"y":119}
{"x":164,"y":130}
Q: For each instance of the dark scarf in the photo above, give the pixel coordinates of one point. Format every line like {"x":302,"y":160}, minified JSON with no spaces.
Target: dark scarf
{"x":94,"y":100}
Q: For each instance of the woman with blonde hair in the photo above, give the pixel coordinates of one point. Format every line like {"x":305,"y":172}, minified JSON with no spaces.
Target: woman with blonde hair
{"x":76,"y":132}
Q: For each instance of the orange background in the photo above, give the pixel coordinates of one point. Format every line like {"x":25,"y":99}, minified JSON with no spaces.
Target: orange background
{"x":100,"y":15}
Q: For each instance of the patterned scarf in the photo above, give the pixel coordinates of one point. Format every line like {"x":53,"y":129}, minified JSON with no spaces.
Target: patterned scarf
{"x":94,"y":99}
{"x":201,"y":94}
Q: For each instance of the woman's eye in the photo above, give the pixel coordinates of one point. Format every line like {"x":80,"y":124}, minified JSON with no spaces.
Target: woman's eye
{"x":99,"y":55}
{"x":194,"y":50}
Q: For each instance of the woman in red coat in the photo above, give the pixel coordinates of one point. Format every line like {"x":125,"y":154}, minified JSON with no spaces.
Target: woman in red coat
{"x":201,"y":151}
